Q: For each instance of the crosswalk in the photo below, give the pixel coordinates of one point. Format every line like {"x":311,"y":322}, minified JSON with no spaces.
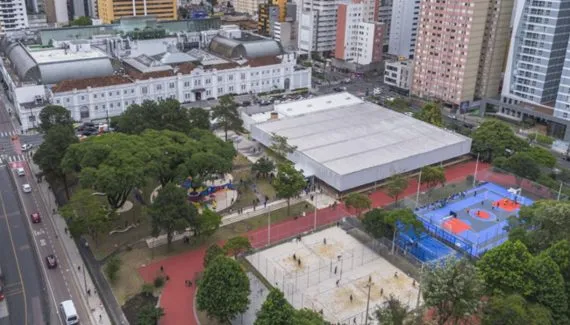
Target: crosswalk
{"x":7,"y":133}
{"x":13,"y":158}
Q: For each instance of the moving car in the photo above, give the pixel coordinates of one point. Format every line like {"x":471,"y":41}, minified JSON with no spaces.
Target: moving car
{"x":68,"y":312}
{"x":36,"y":218}
{"x":27,"y":146}
{"x":26,"y":188}
{"x":51,"y":261}
{"x":20,"y":171}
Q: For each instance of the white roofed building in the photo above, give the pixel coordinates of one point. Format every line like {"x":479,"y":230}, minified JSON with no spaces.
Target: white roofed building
{"x":347,"y":143}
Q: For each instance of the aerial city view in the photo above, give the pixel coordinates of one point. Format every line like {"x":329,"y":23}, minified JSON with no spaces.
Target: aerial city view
{"x":285,"y":162}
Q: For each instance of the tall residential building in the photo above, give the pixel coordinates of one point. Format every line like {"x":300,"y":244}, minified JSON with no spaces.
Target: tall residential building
{"x":451,"y":60}
{"x":318,"y":25}
{"x":384,"y":15}
{"x":404,"y":28}
{"x":110,"y":10}
{"x":248,"y":6}
{"x":357,"y":41}
{"x":13,"y":16}
{"x":536,"y":56}
{"x":272,"y":12}
{"x":57,"y":12}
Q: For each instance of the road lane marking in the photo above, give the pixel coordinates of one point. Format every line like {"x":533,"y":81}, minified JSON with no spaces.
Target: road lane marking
{"x":4,"y":309}
{"x":24,"y":247}
{"x":43,"y":242}
{"x":16,"y":258}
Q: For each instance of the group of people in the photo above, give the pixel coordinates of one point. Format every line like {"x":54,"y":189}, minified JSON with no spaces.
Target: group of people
{"x":443,"y":202}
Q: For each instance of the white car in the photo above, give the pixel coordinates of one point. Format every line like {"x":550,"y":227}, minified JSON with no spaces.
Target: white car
{"x":20,"y":171}
{"x":27,"y":146}
{"x":26,"y":188}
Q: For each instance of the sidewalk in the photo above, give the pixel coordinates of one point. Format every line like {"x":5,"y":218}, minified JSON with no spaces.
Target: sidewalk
{"x":92,"y":301}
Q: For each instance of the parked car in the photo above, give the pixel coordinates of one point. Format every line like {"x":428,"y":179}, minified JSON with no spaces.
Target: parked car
{"x":246,"y":103}
{"x":51,"y":261}
{"x":27,"y":146}
{"x":26,"y":188}
{"x":339,"y":89}
{"x":36,"y":218}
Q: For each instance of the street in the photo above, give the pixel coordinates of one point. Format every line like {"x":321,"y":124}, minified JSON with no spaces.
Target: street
{"x":25,"y":293}
{"x":60,"y":284}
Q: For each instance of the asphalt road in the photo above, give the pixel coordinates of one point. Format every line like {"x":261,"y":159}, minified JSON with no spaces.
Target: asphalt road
{"x":61,"y":285}
{"x":24,"y":286}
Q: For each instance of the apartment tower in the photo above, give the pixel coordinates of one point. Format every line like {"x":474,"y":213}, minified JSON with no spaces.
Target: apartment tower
{"x":404,"y":28}
{"x":456,"y":49}
{"x":13,"y":15}
{"x":110,"y":10}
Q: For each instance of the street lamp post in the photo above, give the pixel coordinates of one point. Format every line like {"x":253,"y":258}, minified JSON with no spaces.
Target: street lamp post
{"x":369,"y":285}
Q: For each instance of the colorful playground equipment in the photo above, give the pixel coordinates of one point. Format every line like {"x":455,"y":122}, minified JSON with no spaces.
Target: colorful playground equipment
{"x":205,"y":195}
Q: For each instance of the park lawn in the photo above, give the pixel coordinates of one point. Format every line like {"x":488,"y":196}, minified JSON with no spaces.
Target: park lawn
{"x":107,"y":243}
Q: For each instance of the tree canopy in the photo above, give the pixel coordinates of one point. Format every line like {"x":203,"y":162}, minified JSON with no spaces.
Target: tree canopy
{"x":395,"y":186}
{"x":82,"y":21}
{"x":453,"y":289}
{"x":433,"y":176}
{"x":403,"y":220}
{"x":224,"y":289}
{"x":523,"y":165}
{"x":53,"y":115}
{"x":495,"y":139}
{"x":149,"y":315}
{"x":430,"y":113}
{"x":162,"y":115}
{"x":281,"y":146}
{"x":212,"y":253}
{"x":171,"y":212}
{"x":237,"y":245}
{"x":375,"y":223}
{"x":50,"y":153}
{"x":199,"y":118}
{"x":226,"y":115}
{"x":393,"y":312}
{"x":275,"y":310}
{"x":514,"y":310}
{"x":358,"y":201}
{"x":113,"y":164}
{"x":263,"y":166}
{"x":87,"y":214}
{"x":289,"y":182}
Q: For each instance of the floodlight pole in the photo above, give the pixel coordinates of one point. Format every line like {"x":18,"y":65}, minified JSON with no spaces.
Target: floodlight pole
{"x":559,"y":192}
{"x":368,"y":302}
{"x":476,"y":169}
{"x":418,"y":191}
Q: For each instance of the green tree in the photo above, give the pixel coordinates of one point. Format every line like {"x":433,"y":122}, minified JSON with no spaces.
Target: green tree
{"x":395,"y":186}
{"x":112,"y":268}
{"x":212,"y":253}
{"x":505,"y":269}
{"x":494,"y":139}
{"x":560,"y":254}
{"x":199,"y":118}
{"x":357,"y":201}
{"x":275,"y":310}
{"x":113,"y":164}
{"x":403,"y":220}
{"x":51,"y":152}
{"x":207,"y":222}
{"x":433,"y":176}
{"x":263,"y":166}
{"x":280,"y":145}
{"x":393,"y":312}
{"x":53,"y":115}
{"x":548,"y":287}
{"x":87,"y":214}
{"x":542,"y":157}
{"x":224,"y":290}
{"x":523,"y":165}
{"x":237,"y":245}
{"x":149,"y":315}
{"x":81,"y":21}
{"x":514,"y":310}
{"x":161,"y":115}
{"x":453,"y":289}
{"x":288,"y":183}
{"x":170,"y":155}
{"x":308,"y":317}
{"x":541,"y":224}
{"x":374,"y":222}
{"x":430,"y":113}
{"x":171,"y":212}
{"x":227,"y":116}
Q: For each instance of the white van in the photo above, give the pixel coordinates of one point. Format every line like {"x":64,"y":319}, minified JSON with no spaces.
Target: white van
{"x":20,"y":171}
{"x":68,"y":312}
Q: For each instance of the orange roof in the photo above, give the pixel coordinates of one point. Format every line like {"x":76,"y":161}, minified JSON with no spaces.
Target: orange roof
{"x":263,"y":61}
{"x":69,"y":85}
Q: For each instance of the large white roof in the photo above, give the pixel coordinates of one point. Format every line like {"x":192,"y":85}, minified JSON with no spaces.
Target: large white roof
{"x":316,"y":104}
{"x":348,"y":139}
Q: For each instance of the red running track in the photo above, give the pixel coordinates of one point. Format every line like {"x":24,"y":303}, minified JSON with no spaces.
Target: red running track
{"x":178,"y":300}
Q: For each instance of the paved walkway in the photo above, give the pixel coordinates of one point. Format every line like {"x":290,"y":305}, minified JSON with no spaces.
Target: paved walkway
{"x":176,"y":297}
{"x":83,"y":279}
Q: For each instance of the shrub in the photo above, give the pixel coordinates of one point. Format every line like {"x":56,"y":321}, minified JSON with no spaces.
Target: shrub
{"x":542,"y":139}
{"x":112,"y":268}
{"x":159,"y":281}
{"x":147,"y":289}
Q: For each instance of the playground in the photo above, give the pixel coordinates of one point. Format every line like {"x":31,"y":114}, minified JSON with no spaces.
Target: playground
{"x":331,"y":272}
{"x":473,"y":221}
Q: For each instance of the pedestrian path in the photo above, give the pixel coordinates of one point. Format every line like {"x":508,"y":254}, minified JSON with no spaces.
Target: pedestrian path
{"x":89,"y":297}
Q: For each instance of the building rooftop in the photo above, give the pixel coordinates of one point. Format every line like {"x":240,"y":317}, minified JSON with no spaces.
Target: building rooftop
{"x":316,"y":104}
{"x":69,"y":85}
{"x":347,"y":138}
{"x":61,"y":55}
